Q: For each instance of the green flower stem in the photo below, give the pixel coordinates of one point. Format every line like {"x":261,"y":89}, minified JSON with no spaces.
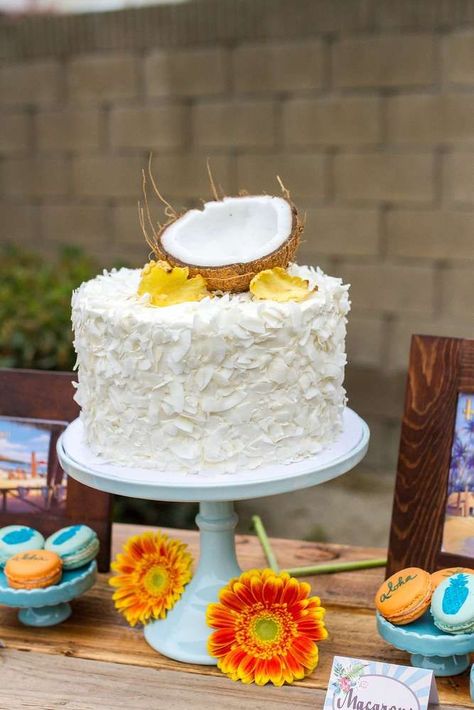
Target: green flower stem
{"x":330,"y":568}
{"x":265,"y":542}
{"x":334,"y":567}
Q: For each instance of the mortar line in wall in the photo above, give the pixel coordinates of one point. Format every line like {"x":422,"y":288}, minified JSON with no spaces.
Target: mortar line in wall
{"x":329,"y":176}
{"x":110,"y":222}
{"x":439,"y":270}
{"x":388,"y":322}
{"x":438,"y":172}
{"x":328,"y":43}
{"x":383,"y":230}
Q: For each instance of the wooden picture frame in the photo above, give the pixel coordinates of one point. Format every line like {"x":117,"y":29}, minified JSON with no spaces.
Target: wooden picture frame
{"x":440,"y":370}
{"x":46,"y":399}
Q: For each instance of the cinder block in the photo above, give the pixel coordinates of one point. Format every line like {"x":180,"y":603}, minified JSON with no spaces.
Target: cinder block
{"x":19,"y":224}
{"x":385,"y":60}
{"x":431,"y":234}
{"x":341,"y":231}
{"x":68,"y":130}
{"x":288,"y":66}
{"x":184,"y":177}
{"x":384,"y":444}
{"x":244,"y":123}
{"x":103,"y":77}
{"x":446,"y":118}
{"x":187,"y":72}
{"x":304,"y":174}
{"x":459,"y":57}
{"x":35,"y":177}
{"x":459,"y":177}
{"x":14,"y":133}
{"x":85,"y":225}
{"x":145,"y":127}
{"x":334,"y":121}
{"x":365,"y":340}
{"x":36,"y":82}
{"x":390,"y":177}
{"x":373,"y":392}
{"x":390,"y":288}
{"x":402,"y":328}
{"x":126,"y":226}
{"x":107,"y":176}
{"x":457,"y":295}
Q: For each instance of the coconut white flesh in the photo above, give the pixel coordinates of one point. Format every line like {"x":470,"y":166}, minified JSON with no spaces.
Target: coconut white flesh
{"x":234,"y":230}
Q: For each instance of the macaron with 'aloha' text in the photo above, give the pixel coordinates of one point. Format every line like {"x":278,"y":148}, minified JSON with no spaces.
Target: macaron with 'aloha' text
{"x":405,"y":596}
{"x":33,"y":569}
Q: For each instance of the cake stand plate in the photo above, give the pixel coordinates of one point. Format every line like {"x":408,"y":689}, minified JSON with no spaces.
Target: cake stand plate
{"x":48,"y":606}
{"x":183,"y":634}
{"x":430,"y":648}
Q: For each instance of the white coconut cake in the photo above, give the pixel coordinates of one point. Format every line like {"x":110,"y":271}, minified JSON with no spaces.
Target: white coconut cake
{"x":224,"y":384}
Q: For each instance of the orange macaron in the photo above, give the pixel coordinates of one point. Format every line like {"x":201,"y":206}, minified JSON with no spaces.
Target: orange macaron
{"x":33,"y":569}
{"x":442,"y":574}
{"x":405,"y":596}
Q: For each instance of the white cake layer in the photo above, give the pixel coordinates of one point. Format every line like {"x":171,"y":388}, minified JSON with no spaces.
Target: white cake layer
{"x":222,"y":384}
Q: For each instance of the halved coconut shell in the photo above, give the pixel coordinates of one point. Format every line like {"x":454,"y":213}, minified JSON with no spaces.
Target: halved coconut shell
{"x":187,"y":238}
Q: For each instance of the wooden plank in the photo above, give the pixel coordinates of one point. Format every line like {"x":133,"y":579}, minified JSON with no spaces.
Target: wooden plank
{"x":78,"y":684}
{"x":36,"y":683}
{"x":97,"y":632}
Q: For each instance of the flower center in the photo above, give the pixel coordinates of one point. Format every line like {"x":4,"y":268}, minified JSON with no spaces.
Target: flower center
{"x":266,"y":629}
{"x":155,"y":580}
{"x":264,"y":632}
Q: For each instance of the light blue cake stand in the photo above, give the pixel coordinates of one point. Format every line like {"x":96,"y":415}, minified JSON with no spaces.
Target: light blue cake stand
{"x":431,"y":648}
{"x":183,"y":634}
{"x":48,"y":606}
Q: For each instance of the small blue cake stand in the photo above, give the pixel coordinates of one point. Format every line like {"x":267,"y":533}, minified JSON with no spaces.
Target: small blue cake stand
{"x":430,"y":648}
{"x":183,"y":634}
{"x":48,"y":606}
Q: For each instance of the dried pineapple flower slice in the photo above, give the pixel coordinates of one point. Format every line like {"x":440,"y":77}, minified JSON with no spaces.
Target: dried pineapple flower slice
{"x":278,"y":285}
{"x":168,"y":286}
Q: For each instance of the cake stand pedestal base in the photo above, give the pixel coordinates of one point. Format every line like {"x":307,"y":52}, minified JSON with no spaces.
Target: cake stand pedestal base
{"x":428,"y":646}
{"x":45,"y":615}
{"x":441,"y":665}
{"x":183,"y":634}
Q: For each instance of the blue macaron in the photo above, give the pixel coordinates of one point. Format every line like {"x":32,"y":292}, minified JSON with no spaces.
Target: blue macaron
{"x":452,"y":605}
{"x":18,"y":538}
{"x":76,"y":545}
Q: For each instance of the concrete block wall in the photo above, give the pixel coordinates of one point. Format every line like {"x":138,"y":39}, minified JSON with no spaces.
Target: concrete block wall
{"x":365,"y":108}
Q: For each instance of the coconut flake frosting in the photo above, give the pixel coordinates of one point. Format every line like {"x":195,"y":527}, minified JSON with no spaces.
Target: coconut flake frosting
{"x":222,"y":384}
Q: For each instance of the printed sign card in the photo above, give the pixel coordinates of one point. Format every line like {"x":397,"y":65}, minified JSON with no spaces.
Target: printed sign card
{"x":356,"y":684}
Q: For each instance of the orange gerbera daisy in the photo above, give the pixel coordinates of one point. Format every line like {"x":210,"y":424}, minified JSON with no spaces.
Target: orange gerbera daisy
{"x":152,"y":572}
{"x":266,"y":626}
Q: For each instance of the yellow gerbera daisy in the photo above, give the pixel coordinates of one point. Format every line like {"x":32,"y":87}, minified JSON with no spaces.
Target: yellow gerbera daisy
{"x":266,"y":628}
{"x":152,"y":572}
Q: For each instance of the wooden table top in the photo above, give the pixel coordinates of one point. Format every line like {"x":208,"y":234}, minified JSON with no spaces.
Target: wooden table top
{"x":95,"y":660}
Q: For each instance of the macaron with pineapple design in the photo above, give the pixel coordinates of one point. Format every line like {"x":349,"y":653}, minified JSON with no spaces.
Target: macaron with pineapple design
{"x":452,"y":606}
{"x":76,"y":545}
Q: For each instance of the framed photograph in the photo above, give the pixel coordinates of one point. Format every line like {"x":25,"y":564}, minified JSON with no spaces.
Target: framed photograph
{"x":31,"y":479}
{"x":35,"y":408}
{"x":433,"y":511}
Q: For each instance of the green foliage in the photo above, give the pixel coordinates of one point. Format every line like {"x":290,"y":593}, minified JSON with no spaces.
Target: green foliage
{"x":35,"y":307}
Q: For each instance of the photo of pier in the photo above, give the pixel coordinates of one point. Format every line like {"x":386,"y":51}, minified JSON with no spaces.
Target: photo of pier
{"x":31,"y":479}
